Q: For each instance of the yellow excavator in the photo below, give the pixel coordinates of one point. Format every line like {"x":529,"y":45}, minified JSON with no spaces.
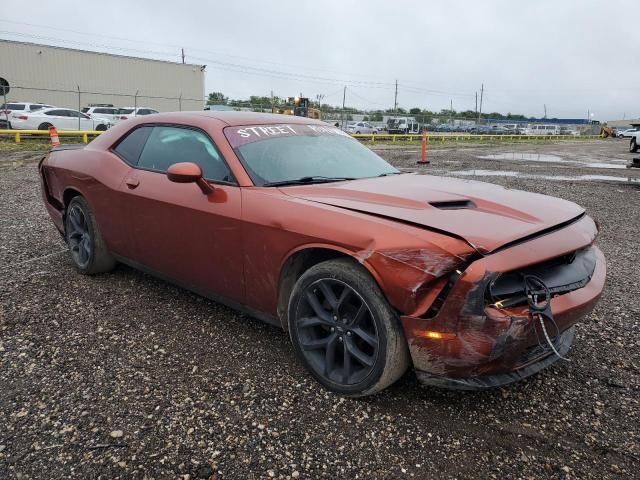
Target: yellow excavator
{"x":298,"y":106}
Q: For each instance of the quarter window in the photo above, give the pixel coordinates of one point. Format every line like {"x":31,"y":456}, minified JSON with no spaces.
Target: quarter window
{"x":131,"y":147}
{"x":168,"y":145}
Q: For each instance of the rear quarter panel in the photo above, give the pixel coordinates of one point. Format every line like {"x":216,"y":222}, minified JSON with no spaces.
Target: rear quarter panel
{"x":97,"y":175}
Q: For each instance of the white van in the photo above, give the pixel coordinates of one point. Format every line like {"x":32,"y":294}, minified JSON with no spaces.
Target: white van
{"x":543,"y":130}
{"x":403,"y":125}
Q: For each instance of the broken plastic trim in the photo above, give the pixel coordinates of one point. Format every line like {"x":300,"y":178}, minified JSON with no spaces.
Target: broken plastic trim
{"x":436,"y":305}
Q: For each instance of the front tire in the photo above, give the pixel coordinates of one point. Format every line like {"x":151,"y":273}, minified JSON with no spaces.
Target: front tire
{"x":344,"y":331}
{"x":88,"y":250}
{"x":44,"y":126}
{"x":101,"y":128}
{"x":633,"y":145}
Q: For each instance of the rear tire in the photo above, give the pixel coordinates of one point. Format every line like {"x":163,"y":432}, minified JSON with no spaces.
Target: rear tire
{"x":101,"y":128}
{"x":44,"y":126}
{"x":344,"y":331}
{"x":633,"y":145}
{"x":88,"y":250}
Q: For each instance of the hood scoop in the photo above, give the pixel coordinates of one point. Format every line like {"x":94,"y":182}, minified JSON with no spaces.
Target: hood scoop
{"x":453,"y":204}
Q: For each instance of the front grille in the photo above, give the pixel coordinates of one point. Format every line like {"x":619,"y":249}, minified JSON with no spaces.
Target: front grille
{"x":560,"y":275}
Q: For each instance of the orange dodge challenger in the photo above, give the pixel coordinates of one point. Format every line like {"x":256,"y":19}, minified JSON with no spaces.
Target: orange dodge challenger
{"x":369,"y":269}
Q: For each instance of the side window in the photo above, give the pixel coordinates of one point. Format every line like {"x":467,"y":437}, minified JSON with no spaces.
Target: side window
{"x":168,"y":145}
{"x":57,"y":113}
{"x":131,"y":146}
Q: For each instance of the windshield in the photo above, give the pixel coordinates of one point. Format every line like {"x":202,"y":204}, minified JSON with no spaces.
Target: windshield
{"x":125,"y":111}
{"x":281,"y":153}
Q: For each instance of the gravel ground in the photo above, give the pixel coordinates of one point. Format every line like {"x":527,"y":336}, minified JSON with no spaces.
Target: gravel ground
{"x":125,"y":376}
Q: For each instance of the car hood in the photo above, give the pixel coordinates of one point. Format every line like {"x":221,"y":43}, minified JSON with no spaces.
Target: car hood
{"x":486,"y":216}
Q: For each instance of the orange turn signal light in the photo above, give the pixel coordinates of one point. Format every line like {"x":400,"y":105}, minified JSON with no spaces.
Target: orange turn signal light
{"x":438,"y":335}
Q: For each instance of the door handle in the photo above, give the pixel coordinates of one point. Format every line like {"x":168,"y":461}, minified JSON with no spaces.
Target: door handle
{"x":132,"y":182}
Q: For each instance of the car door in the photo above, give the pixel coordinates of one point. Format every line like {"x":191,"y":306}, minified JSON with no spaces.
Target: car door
{"x":86,"y":122}
{"x":179,"y":232}
{"x":57,"y":118}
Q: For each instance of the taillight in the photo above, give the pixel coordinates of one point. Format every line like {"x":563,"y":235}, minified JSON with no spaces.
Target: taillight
{"x":123,"y":118}
{"x":23,"y":117}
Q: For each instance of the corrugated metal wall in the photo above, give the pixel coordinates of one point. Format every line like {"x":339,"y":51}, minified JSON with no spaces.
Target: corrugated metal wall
{"x":52,"y":75}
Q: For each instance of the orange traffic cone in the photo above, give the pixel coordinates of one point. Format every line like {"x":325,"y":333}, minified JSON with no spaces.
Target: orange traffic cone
{"x":53,"y":134}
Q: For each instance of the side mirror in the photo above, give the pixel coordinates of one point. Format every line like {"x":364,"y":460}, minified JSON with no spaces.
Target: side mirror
{"x":188,"y":172}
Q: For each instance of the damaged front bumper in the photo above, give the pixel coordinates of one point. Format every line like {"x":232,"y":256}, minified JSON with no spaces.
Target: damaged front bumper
{"x":480,"y":344}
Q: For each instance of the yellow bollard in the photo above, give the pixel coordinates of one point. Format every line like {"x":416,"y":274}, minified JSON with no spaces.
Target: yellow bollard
{"x":393,"y":139}
{"x":17,"y":137}
{"x":85,"y":137}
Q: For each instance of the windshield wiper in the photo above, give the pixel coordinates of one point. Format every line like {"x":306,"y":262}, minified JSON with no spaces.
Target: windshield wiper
{"x":389,"y":173}
{"x":306,"y":180}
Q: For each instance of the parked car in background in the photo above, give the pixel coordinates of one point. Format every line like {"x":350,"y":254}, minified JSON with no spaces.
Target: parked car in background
{"x":500,"y":130}
{"x":110,"y":113}
{"x":61,"y":118}
{"x":10,"y":109}
{"x":627,"y":133}
{"x":568,"y":131}
{"x":362,"y":127}
{"x":634,"y":143}
{"x":129,"y":112}
{"x":481,"y":130}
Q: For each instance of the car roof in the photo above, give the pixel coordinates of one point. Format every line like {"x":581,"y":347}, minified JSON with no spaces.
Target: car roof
{"x":232,"y":118}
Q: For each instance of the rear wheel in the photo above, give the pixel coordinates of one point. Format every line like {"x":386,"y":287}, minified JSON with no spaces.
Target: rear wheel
{"x":101,"y":128}
{"x":44,"y":126}
{"x":633,"y":145}
{"x":344,"y":331}
{"x":88,"y":251}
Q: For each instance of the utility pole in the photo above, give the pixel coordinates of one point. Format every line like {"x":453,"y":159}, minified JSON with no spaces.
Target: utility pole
{"x":451,"y":110}
{"x":481,"y":95}
{"x":545,"y":111}
{"x":476,"y":103}
{"x":395,"y":100}
{"x":319,"y":97}
{"x":182,"y":50}
{"x":344,"y":97}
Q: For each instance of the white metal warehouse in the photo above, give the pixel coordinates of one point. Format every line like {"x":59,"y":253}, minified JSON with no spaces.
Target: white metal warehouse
{"x":54,"y":75}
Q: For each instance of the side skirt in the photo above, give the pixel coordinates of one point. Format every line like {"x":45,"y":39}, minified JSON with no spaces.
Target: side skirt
{"x":247,"y":310}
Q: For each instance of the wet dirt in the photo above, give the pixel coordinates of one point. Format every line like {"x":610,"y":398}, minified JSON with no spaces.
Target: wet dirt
{"x":125,"y":376}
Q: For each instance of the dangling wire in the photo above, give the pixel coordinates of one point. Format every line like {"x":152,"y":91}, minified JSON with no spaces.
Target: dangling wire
{"x":539,"y":299}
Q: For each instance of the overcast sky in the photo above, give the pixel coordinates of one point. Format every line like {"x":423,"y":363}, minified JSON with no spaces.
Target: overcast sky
{"x":574,"y":56}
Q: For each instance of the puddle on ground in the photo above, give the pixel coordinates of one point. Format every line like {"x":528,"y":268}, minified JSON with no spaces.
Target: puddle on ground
{"x":531,"y":157}
{"x":542,"y":157}
{"x":566,"y":178}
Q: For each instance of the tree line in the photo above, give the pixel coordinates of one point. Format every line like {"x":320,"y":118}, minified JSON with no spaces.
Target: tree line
{"x":261,"y":103}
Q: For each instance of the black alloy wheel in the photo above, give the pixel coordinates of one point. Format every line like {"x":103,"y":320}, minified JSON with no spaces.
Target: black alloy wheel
{"x":337,"y":333}
{"x":79,"y":236}
{"x":344,"y":331}
{"x":88,"y":250}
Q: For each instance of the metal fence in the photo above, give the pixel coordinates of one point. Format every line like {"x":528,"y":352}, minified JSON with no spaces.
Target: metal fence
{"x":79,"y":98}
